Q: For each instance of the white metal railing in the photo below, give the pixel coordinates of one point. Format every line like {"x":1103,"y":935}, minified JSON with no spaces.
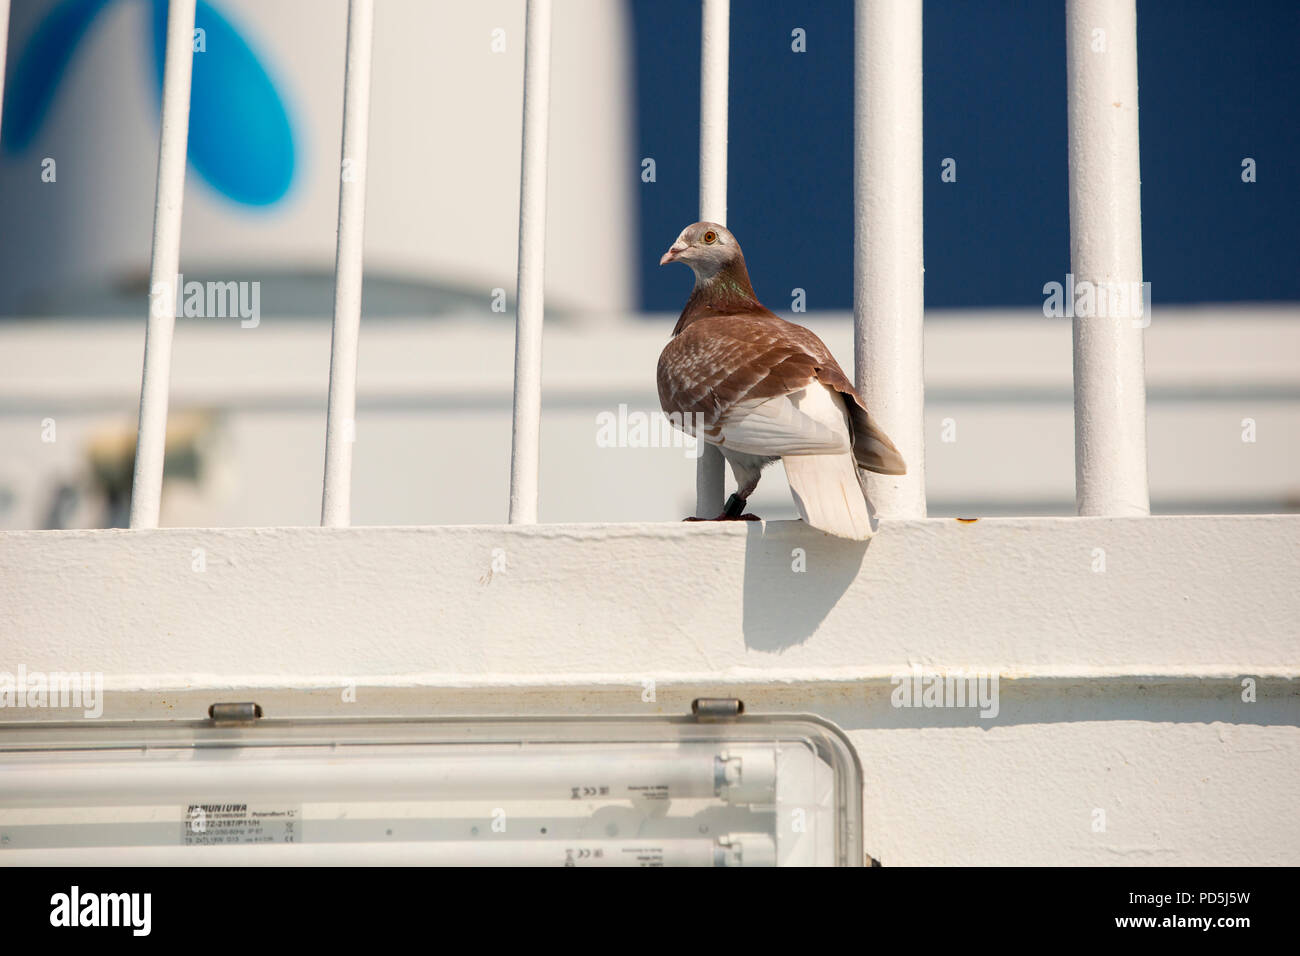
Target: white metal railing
{"x":4,"y":47}
{"x":526,"y":434}
{"x":888,"y":267}
{"x":1105,"y":221}
{"x":715,"y":60}
{"x":155,"y":385}
{"x":340,"y":426}
{"x":1110,"y":432}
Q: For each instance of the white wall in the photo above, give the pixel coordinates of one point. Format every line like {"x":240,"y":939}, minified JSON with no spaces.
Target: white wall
{"x":434,"y":417}
{"x":443,"y":184}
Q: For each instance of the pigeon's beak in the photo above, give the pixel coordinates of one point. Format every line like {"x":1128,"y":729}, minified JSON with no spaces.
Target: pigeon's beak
{"x":671,"y":255}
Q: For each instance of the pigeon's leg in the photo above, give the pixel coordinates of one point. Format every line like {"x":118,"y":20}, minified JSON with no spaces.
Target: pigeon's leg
{"x":747,"y":469}
{"x":747,"y":481}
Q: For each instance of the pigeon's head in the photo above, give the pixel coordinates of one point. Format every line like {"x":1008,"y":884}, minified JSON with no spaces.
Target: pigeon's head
{"x":706,"y":247}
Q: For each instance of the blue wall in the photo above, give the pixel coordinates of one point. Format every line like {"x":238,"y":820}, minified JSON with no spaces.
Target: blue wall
{"x":1218,"y":81}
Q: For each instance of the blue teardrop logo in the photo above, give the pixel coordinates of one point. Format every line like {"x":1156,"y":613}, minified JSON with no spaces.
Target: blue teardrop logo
{"x":240,"y":138}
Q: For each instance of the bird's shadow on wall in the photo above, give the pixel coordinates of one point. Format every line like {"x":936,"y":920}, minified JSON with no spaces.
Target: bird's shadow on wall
{"x":794,"y":576}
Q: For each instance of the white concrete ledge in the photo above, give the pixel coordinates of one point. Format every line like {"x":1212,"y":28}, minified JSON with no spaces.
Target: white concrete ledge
{"x":1149,"y":713}
{"x":595,"y":604}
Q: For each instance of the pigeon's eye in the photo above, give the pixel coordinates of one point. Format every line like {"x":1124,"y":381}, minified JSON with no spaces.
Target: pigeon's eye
{"x":710,"y":237}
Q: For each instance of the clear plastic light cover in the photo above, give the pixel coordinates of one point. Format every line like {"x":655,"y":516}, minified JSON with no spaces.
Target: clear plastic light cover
{"x":634,"y":791}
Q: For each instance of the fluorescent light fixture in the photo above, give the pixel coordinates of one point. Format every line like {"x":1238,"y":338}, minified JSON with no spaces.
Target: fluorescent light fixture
{"x":634,"y":791}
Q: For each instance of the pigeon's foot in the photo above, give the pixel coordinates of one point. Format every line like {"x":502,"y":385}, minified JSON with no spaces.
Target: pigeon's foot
{"x":732,"y":511}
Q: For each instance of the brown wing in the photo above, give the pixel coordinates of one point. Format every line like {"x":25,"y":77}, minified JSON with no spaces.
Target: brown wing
{"x":716,"y":362}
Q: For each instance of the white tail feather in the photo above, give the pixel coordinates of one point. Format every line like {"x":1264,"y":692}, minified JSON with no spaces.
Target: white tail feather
{"x":828,"y":494}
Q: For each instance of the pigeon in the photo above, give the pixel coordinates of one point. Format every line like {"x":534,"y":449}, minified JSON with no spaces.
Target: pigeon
{"x":761,"y":388}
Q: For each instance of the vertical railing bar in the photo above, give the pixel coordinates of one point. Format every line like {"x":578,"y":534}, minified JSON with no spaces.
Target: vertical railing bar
{"x":1110,"y":444}
{"x":888,"y":254}
{"x":4,"y":49}
{"x":529,"y":291}
{"x":340,"y":426}
{"x":715,"y":54}
{"x":151,"y":443}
